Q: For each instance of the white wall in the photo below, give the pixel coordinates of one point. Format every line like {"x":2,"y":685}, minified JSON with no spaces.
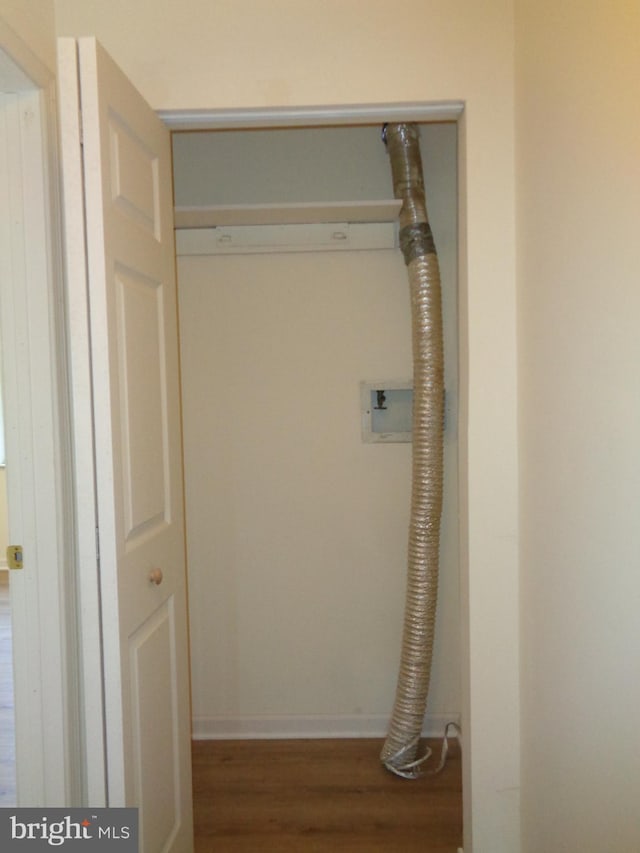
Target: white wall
{"x":296,"y":529}
{"x":579,"y":262}
{"x":240,"y":53}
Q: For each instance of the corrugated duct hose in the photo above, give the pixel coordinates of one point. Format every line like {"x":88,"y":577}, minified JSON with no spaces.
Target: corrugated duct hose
{"x":400,"y":751}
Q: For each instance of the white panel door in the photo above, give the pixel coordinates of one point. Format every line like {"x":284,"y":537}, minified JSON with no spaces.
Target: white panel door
{"x":132,"y":351}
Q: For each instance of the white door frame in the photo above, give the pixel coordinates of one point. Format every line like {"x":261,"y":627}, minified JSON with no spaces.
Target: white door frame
{"x":242,"y":119}
{"x":48,"y":734}
{"x":421,"y":112}
{"x":238,"y":119}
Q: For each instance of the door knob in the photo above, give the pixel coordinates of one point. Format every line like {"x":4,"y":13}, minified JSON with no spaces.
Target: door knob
{"x":155,"y":576}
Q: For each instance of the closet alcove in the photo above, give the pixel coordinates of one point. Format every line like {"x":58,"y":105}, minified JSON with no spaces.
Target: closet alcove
{"x":292,"y":293}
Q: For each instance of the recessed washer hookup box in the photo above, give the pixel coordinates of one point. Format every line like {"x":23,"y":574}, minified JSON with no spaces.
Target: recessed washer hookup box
{"x":386,"y":409}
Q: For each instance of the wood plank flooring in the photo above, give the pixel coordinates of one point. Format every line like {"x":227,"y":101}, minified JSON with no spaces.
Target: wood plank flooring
{"x":310,"y":796}
{"x":7,"y":740}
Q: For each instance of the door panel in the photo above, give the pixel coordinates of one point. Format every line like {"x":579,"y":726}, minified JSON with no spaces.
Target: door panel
{"x":134,"y":177}
{"x":133,"y":354}
{"x":145,"y":444}
{"x":155,"y":696}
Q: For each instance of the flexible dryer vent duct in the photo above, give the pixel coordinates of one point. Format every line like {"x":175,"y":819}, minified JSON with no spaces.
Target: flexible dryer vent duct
{"x":400,"y":750}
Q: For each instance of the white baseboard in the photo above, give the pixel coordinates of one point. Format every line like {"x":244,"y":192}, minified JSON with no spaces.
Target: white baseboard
{"x":308,"y":726}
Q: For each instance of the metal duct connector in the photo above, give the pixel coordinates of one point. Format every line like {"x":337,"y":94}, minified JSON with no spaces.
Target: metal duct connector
{"x":400,"y":751}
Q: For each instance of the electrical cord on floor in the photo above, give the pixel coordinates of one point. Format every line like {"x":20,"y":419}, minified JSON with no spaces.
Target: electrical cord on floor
{"x":413,"y":769}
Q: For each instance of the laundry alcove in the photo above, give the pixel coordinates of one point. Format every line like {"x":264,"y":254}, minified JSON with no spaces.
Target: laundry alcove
{"x":296,"y":528}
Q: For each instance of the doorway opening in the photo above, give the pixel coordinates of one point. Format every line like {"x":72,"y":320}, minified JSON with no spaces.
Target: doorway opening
{"x":296,"y":529}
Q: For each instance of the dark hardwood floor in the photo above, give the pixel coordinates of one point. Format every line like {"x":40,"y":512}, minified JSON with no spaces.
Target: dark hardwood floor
{"x":296,"y":796}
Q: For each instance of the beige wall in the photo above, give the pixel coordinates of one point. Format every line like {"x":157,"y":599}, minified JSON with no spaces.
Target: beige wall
{"x":296,"y":529}
{"x":33,"y":22}
{"x":579,"y":258}
{"x":240,"y":54}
